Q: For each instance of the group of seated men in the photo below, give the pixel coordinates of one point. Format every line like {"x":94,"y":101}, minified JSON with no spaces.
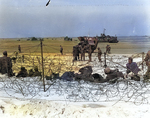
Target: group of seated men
{"x":6,"y":68}
{"x":84,"y":73}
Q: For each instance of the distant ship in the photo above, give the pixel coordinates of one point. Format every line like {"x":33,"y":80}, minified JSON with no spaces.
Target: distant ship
{"x":104,"y":38}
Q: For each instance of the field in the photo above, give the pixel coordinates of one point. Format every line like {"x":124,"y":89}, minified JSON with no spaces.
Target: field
{"x":52,"y":45}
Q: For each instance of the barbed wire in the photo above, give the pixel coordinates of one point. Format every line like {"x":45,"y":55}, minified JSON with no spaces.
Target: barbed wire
{"x":76,"y":91}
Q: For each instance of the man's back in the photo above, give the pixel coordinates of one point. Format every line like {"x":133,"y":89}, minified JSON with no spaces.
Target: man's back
{"x":5,"y":64}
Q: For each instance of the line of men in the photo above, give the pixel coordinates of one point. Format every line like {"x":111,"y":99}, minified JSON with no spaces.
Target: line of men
{"x":6,"y":68}
{"x":82,"y":49}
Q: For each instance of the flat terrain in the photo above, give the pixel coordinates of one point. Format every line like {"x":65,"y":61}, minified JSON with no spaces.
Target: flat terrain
{"x":52,"y":45}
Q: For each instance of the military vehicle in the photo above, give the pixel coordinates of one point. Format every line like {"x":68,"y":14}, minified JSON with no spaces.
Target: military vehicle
{"x":88,"y":44}
{"x":88,"y":41}
{"x":67,"y":38}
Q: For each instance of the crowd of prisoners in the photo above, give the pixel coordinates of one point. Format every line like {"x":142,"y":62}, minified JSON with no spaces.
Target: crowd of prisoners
{"x":85,"y":73}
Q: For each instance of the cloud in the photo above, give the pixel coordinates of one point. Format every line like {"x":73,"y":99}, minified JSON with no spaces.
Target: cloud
{"x":55,"y":20}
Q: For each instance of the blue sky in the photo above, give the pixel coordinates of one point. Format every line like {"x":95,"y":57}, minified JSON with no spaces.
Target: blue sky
{"x":28,"y":18}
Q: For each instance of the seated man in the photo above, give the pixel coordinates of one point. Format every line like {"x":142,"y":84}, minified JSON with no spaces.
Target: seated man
{"x":36,"y":72}
{"x":6,"y":65}
{"x":31,"y":73}
{"x":132,"y":67}
{"x":22,"y":73}
{"x":85,"y":74}
{"x":112,"y":74}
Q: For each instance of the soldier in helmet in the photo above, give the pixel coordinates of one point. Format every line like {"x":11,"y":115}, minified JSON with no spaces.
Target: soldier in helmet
{"x":6,"y":64}
{"x":22,"y":72}
{"x":31,"y":72}
{"x":99,"y":54}
{"x":36,"y":72}
{"x":85,"y":73}
{"x":112,"y":74}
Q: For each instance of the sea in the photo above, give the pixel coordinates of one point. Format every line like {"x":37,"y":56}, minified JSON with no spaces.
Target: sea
{"x":139,"y":43}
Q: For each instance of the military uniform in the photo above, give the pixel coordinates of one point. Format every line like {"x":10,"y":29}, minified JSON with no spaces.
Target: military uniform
{"x":147,"y":58}
{"x":90,"y":53}
{"x":19,"y":48}
{"x":22,"y":73}
{"x":108,"y":48}
{"x":31,"y":73}
{"x":99,"y":54}
{"x":36,"y":72}
{"x":75,"y":53}
{"x":6,"y":65}
{"x":61,"y":50}
{"x":112,"y":74}
{"x":83,"y":53}
{"x":85,"y":74}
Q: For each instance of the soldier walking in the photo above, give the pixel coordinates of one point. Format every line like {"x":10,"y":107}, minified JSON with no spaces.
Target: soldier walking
{"x":108,"y":48}
{"x":19,"y":48}
{"x":99,"y":54}
{"x":61,"y":49}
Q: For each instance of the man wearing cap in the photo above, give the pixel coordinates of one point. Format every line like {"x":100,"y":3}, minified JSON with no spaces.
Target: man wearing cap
{"x":6,"y":64}
{"x":112,"y":74}
{"x":99,"y":54}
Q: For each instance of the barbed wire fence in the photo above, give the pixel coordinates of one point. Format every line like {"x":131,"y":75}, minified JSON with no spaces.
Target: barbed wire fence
{"x":127,"y":90}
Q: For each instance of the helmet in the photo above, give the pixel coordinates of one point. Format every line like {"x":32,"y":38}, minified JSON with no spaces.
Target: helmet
{"x":107,"y":70}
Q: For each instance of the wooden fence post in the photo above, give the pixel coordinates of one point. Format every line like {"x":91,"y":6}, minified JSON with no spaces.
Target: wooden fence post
{"x":42,"y":64}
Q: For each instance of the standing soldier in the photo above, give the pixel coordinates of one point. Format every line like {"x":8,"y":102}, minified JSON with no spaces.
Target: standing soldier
{"x":99,"y":54}
{"x":61,"y":49}
{"x":19,"y":48}
{"x":108,"y":48}
{"x":75,"y":53}
{"x":147,"y":59}
{"x":78,"y":51}
{"x":90,"y":53}
{"x":82,"y":53}
{"x":6,"y":64}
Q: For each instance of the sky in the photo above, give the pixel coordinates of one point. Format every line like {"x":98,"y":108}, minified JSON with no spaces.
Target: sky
{"x":73,"y":18}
